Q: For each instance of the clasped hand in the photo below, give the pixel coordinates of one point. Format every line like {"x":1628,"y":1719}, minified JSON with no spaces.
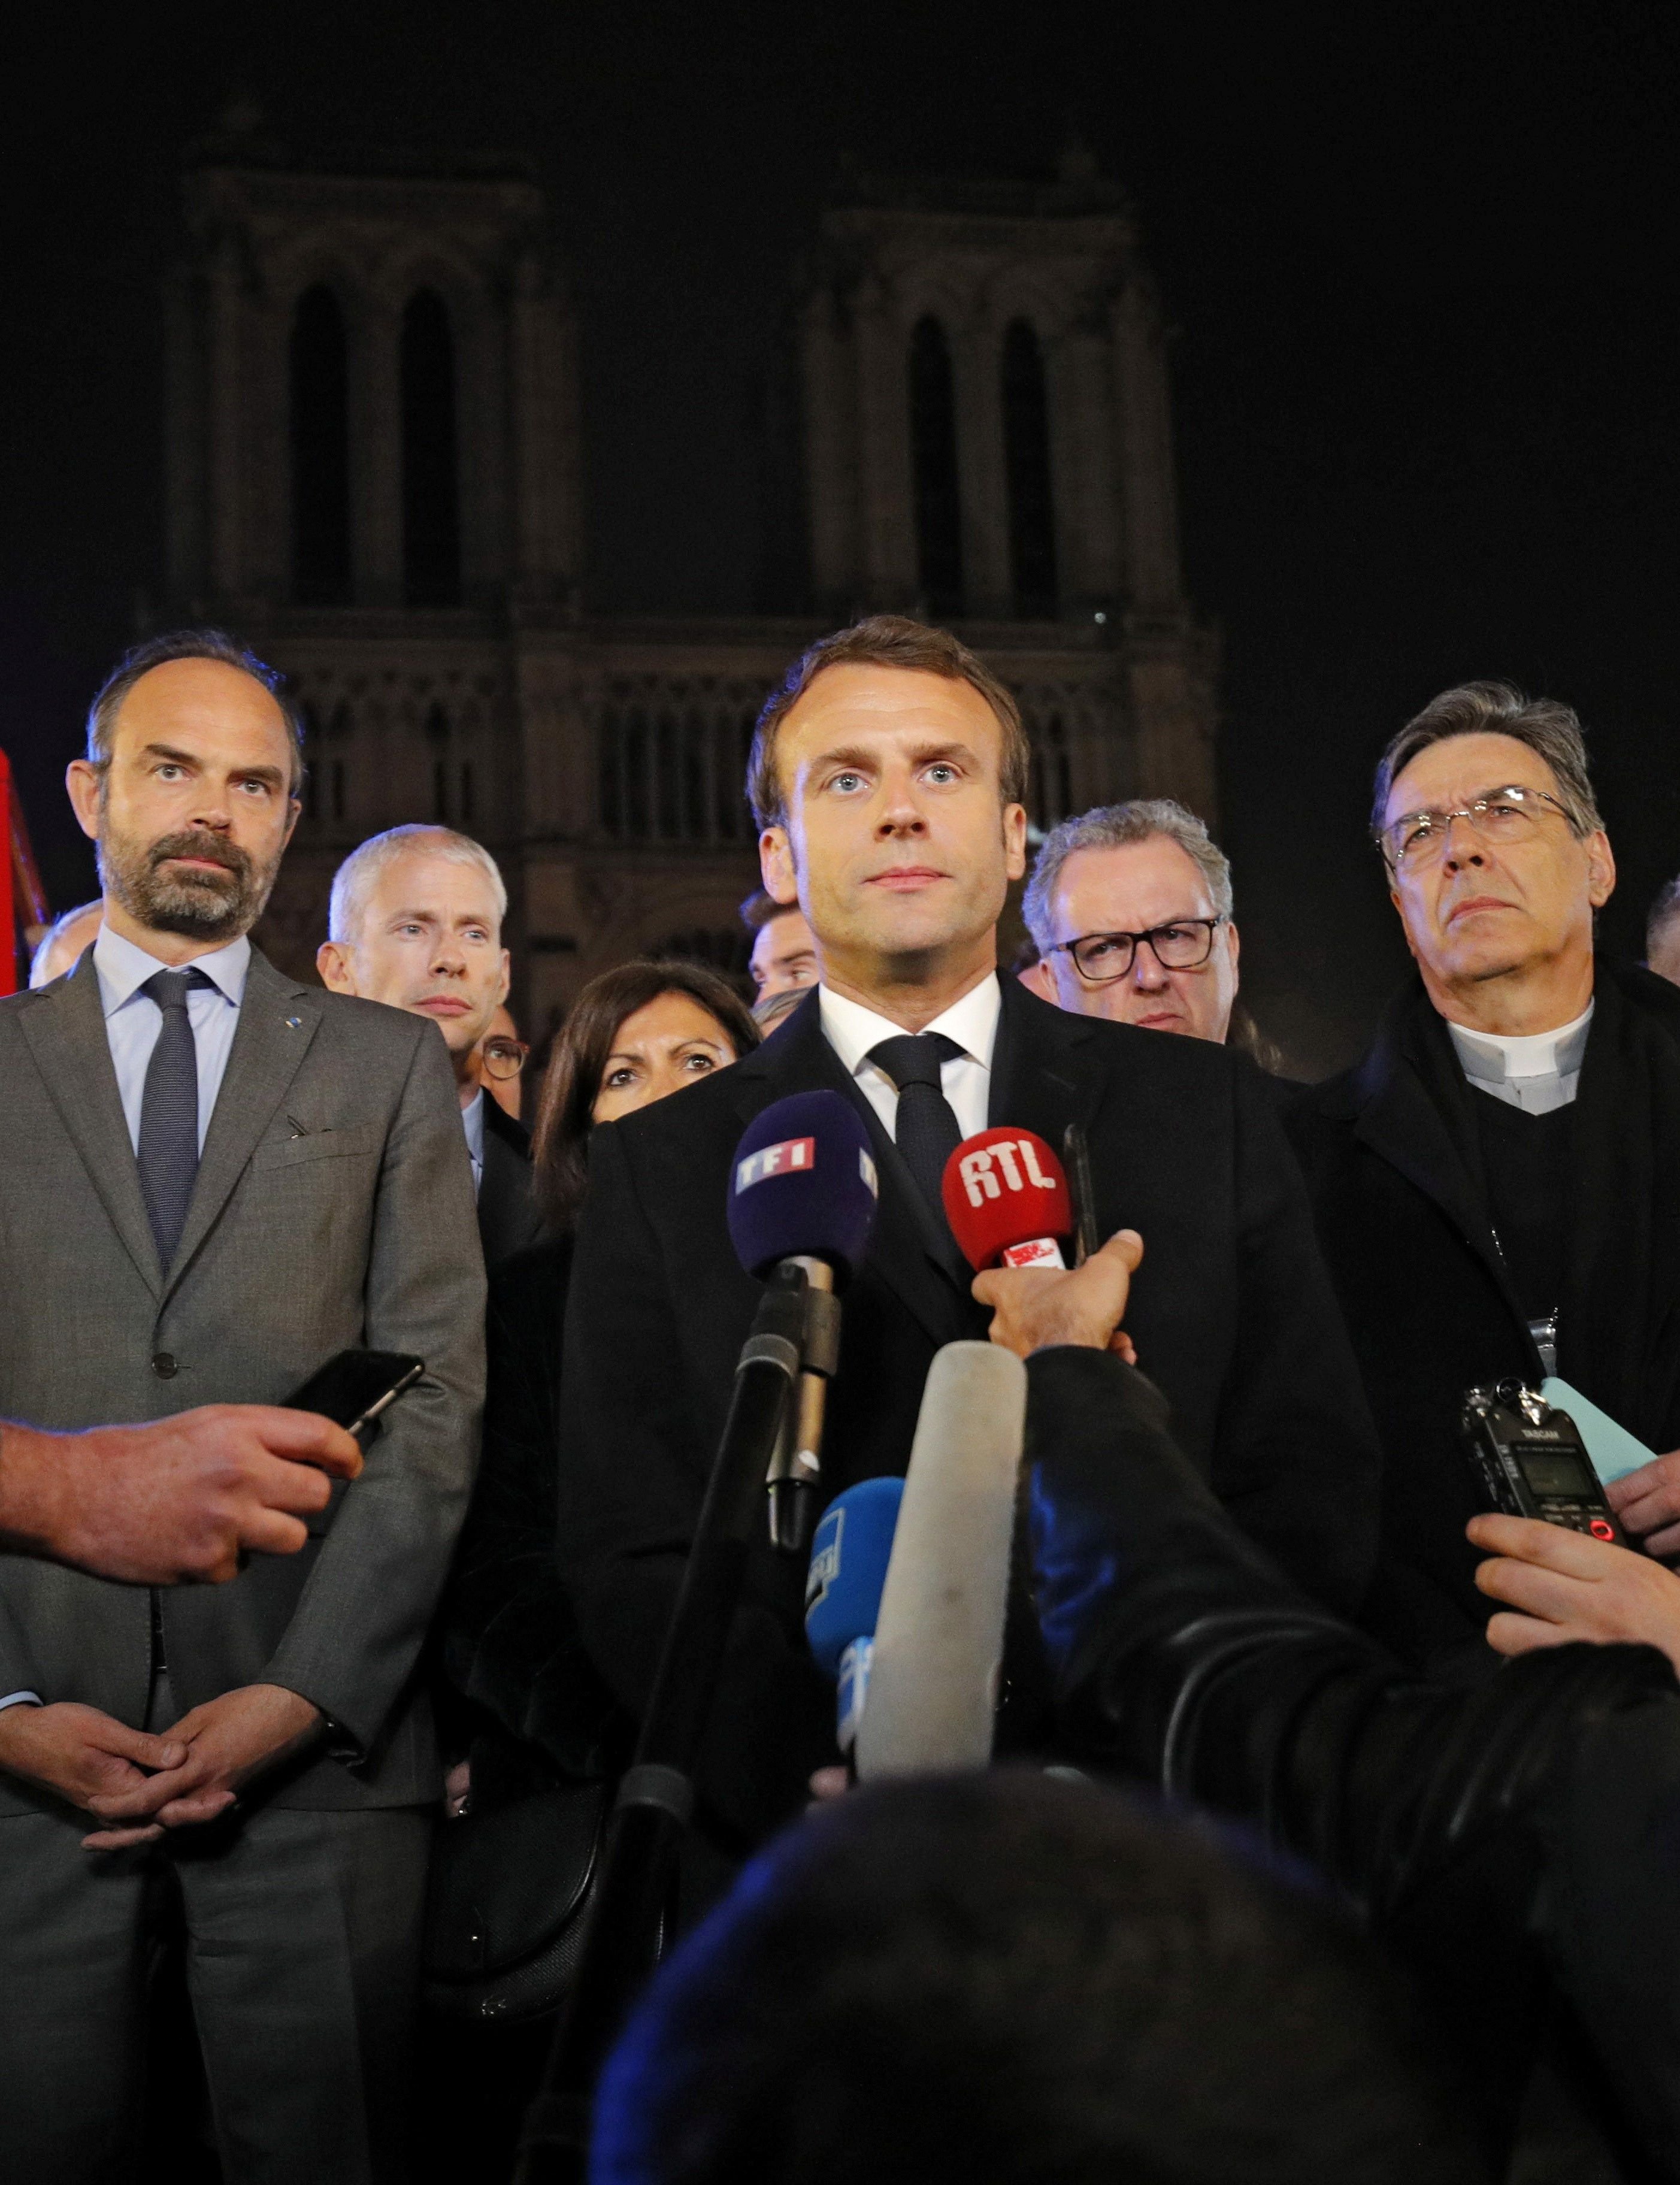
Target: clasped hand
{"x":139,"y":1783}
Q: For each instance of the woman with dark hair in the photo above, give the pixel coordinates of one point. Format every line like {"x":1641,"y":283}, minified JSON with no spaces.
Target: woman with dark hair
{"x":634,"y":1035}
{"x":510,"y":1646}
{"x":526,"y":1714}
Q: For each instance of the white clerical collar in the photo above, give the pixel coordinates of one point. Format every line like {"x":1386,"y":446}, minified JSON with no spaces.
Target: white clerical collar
{"x":124,"y":969}
{"x":851,"y":1030}
{"x":1496,"y":1057}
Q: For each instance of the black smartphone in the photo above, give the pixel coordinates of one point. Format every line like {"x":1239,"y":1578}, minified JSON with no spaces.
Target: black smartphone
{"x":1076,"y":1161}
{"x":355,"y":1388}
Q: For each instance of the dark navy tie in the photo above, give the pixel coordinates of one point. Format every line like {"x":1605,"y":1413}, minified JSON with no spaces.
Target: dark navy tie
{"x":927,"y":1131}
{"x":168,"y":1112}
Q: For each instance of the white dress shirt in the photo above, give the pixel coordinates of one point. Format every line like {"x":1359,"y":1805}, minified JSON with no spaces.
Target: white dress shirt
{"x":1537,"y":1071}
{"x":133,"y":1019}
{"x":472,"y":1122}
{"x":965,"y":1080}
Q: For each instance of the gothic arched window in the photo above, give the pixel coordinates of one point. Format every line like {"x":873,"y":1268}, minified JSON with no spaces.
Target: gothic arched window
{"x":431,"y":481}
{"x":933,"y":458}
{"x":319,"y":373}
{"x":1026,"y":465}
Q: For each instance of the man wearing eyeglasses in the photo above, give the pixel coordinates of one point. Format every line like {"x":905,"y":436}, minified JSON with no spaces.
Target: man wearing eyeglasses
{"x":1496,"y":1183}
{"x":1129,"y":907}
{"x":416,"y":921}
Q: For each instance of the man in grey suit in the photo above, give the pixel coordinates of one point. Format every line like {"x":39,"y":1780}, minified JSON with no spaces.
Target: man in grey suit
{"x":211,"y":1180}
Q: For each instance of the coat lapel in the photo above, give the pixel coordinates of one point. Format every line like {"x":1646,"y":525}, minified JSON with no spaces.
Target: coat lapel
{"x":278,"y":1022}
{"x":65,"y":1033}
{"x":1040,"y":1079}
{"x":922,"y":1266}
{"x":1398,"y":1118}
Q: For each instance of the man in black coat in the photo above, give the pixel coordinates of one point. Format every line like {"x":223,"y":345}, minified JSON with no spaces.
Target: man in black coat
{"x":888,"y":775}
{"x":1497,"y":1184}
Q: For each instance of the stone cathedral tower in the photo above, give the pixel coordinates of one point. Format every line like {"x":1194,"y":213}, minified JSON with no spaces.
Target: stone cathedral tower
{"x":374,"y":459}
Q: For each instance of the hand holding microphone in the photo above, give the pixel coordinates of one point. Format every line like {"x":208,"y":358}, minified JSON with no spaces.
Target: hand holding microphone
{"x":1007,"y":1200}
{"x":1036,"y":1309}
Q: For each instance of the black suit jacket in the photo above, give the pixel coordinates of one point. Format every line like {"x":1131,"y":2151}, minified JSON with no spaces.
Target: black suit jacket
{"x":507,"y":1219}
{"x":1389,"y":1150}
{"x":1231,"y":1313}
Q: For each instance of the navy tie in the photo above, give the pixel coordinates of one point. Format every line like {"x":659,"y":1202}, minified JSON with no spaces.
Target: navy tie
{"x":927,"y":1131}
{"x":168,"y":1112}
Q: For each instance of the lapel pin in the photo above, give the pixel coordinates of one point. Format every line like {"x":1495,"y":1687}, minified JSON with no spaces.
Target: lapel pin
{"x":295,"y":1024}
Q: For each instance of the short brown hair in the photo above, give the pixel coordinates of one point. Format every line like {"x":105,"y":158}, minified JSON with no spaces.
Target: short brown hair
{"x":884,"y":641}
{"x":186,"y":644}
{"x":1551,"y":730}
{"x":571,"y":1081}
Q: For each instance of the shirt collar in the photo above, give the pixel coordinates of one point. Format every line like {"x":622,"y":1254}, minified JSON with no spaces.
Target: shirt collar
{"x":1495,"y":1057}
{"x":851,"y":1030}
{"x":124,"y":969}
{"x":472,"y":1122}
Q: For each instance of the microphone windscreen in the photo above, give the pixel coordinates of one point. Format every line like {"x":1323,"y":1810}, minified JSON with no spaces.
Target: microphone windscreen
{"x":803,"y":1182}
{"x":939,"y":1639}
{"x":1002,"y":1188}
{"x":849,"y":1557}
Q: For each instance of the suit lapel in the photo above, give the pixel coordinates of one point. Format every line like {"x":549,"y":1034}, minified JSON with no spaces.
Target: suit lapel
{"x":922,"y":1266}
{"x":65,"y":1033}
{"x":1041,"y":1081}
{"x":278,"y":1022}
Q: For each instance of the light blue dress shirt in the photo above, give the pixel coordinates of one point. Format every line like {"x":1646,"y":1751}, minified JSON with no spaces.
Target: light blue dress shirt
{"x":472,"y":1122}
{"x":133,"y":1019}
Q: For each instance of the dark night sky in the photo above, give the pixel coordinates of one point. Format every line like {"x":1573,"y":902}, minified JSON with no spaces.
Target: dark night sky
{"x":1420,"y":258}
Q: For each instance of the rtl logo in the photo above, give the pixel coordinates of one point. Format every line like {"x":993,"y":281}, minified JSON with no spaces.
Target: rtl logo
{"x":1014,"y":1160}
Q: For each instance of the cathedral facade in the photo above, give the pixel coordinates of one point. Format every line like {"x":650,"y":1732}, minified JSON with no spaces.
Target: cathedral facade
{"x":374,"y":460}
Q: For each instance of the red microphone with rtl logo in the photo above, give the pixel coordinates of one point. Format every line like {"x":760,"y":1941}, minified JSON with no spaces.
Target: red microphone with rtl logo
{"x":1006,"y":1199}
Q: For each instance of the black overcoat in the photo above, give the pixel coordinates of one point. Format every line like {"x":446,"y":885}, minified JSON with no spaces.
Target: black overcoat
{"x":1390,"y":1156}
{"x":1231,"y":1313}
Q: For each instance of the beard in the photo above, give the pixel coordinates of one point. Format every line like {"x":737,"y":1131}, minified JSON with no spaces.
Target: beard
{"x":216,"y":906}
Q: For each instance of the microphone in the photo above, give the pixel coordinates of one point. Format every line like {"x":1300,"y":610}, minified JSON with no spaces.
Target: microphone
{"x":938,"y":1649}
{"x":1006,"y":1199}
{"x":802,"y":1194}
{"x":849,"y":1558}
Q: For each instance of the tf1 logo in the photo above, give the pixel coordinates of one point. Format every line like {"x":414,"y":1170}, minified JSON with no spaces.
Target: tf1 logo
{"x":1012,"y":1160}
{"x":785,"y":1158}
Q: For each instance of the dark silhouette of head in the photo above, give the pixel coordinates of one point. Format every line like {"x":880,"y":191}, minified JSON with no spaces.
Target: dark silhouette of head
{"x":1007,"y":1977}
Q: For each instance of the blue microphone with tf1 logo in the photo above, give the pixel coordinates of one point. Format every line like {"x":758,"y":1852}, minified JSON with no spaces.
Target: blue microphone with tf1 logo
{"x":802,"y":1195}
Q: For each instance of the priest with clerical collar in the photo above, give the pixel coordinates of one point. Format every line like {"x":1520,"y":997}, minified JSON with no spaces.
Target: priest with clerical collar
{"x":1496,"y":1183}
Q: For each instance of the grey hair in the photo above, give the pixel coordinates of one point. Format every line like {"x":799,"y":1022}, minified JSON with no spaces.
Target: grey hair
{"x":1664,"y":911}
{"x":354,"y":881}
{"x":1551,"y":730}
{"x":1117,"y":827}
{"x":186,"y":644}
{"x":56,"y":932}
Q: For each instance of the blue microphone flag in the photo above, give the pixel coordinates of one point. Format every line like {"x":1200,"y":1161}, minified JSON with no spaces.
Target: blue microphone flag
{"x":848,"y":1559}
{"x":803,"y":1183}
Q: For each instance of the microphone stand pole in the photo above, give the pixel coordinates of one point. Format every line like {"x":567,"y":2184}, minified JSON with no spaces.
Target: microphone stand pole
{"x":656,"y":1797}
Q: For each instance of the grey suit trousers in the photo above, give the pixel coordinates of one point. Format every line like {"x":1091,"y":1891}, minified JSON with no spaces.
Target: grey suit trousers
{"x":302,"y":1948}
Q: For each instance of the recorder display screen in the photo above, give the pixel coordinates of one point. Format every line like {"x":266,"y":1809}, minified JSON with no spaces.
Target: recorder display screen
{"x":1553,"y":1472}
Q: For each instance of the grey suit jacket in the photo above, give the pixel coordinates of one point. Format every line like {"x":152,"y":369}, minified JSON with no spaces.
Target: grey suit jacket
{"x":333,"y":1207}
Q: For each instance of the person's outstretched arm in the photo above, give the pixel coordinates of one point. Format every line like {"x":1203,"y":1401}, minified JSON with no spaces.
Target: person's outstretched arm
{"x":173,"y":1502}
